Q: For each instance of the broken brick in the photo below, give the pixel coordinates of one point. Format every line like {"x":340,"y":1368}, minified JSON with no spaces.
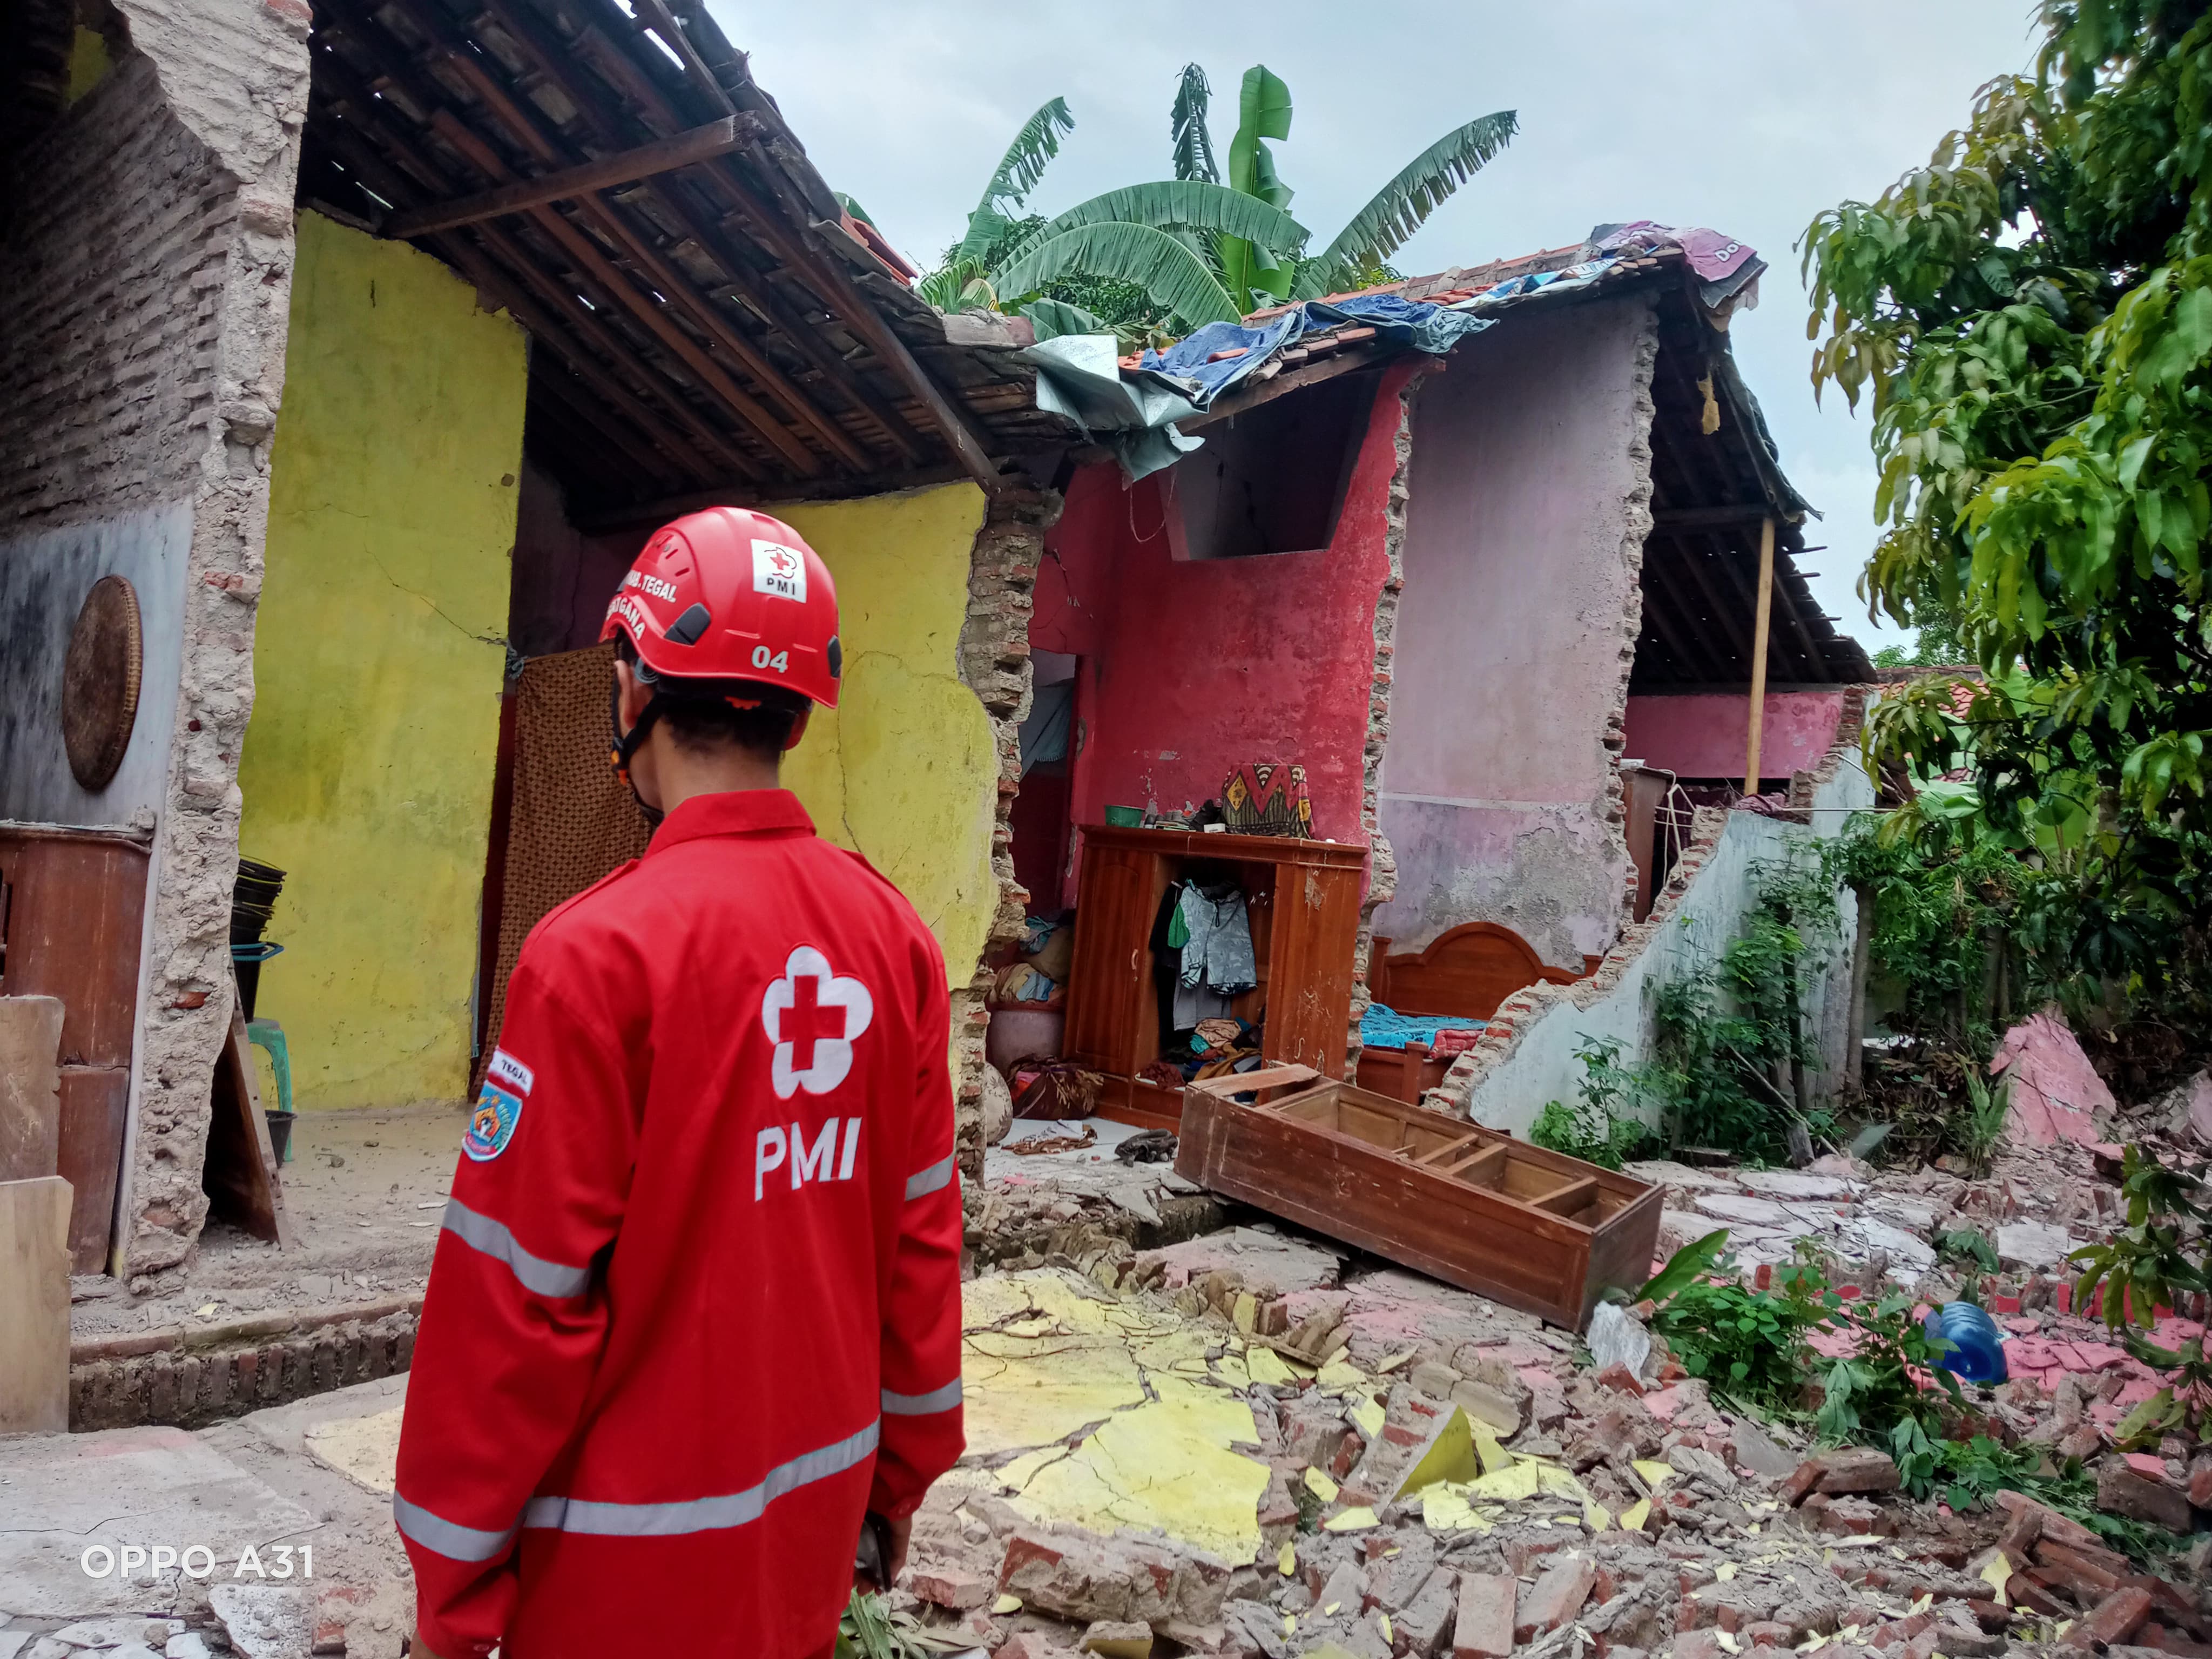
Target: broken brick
{"x":2122,"y":1489}
{"x":2115,"y":1618}
{"x":1559,"y":1596}
{"x":1485,"y":1627}
{"x":2075,"y":1571}
{"x":950,"y":1587}
{"x":2056,"y":1528}
{"x":2166,"y":1640}
{"x":1857,"y":1469}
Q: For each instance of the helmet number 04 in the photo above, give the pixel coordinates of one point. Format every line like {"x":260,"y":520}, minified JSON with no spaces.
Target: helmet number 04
{"x":778,"y":661}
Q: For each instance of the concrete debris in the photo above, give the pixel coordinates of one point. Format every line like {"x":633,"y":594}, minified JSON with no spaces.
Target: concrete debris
{"x":266,"y":1621}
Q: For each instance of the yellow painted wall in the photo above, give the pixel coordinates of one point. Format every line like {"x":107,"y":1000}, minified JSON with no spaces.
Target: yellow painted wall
{"x":88,"y":64}
{"x":378,"y":661}
{"x":904,"y":771}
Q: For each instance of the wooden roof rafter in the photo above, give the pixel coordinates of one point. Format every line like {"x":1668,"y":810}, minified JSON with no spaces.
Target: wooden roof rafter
{"x":613,"y":169}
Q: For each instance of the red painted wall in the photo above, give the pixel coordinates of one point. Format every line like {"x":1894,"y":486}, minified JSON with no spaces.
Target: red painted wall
{"x":1188,"y":670}
{"x":1703,"y":735}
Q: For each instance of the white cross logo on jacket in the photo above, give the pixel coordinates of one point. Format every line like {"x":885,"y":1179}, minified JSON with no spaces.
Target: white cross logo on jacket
{"x":813,"y":1016}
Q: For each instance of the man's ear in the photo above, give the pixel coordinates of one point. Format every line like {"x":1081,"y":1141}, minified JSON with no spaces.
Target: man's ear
{"x":799,"y":728}
{"x":630,"y":695}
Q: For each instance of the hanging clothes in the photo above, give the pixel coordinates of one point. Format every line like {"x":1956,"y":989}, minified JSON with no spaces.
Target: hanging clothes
{"x":1219,"y":952}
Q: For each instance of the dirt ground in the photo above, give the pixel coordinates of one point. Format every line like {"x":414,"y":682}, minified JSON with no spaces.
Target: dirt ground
{"x":364,"y":1194}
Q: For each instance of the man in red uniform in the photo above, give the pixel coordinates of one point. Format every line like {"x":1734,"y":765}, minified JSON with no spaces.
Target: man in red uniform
{"x":696,"y":1310}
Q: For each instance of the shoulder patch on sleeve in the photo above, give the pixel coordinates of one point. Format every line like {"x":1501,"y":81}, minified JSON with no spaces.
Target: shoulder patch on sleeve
{"x":499,"y":1107}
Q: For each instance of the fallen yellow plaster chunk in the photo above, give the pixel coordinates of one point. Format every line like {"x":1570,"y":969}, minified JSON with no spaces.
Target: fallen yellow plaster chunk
{"x":1445,"y":1509}
{"x":1320,"y":1485}
{"x":1450,"y":1456}
{"x":1367,"y":1416}
{"x":1494,"y":1456}
{"x":1728,"y":1641}
{"x":1244,"y":1312}
{"x":1633,"y":1517}
{"x":365,"y":1450}
{"x":1337,"y":1374}
{"x":1006,"y":1604}
{"x":1287,"y":1562}
{"x":1358,"y":1519}
{"x":1266,"y":1365}
{"x":1394,"y":1361}
{"x":1509,"y":1484}
{"x":1724,"y":1571}
{"x":1167,"y":1464}
{"x":1996,"y":1576}
{"x":1655,"y":1473}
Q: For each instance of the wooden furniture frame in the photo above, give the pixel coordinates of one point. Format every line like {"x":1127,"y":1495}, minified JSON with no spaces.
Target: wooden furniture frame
{"x":1304,"y":916}
{"x":1465,"y":972}
{"x":1532,"y":1229}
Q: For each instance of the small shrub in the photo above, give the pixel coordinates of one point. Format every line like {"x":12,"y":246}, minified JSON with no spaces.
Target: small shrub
{"x":1600,"y":1129}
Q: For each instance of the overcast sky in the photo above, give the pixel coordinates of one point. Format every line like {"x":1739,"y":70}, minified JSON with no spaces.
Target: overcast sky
{"x":1748,"y":116}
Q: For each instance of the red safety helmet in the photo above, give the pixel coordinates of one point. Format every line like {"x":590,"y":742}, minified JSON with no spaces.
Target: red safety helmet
{"x":730,"y":594}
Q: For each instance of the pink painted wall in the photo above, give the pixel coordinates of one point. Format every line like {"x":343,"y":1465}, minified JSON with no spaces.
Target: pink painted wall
{"x":1524,"y":538}
{"x":1188,"y":670}
{"x":1703,"y":735}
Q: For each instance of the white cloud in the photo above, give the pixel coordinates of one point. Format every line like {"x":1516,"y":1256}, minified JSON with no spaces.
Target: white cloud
{"x":1744,"y":115}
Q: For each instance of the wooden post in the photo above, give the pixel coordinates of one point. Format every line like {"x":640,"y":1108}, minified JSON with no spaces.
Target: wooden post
{"x":1760,"y":619}
{"x":34,"y":1305}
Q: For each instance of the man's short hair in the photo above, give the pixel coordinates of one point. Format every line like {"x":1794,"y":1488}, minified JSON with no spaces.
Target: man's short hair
{"x":705,"y":715}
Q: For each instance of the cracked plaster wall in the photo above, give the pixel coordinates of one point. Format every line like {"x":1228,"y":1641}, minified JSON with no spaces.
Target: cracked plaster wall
{"x":1530,"y":502}
{"x":144,"y":282}
{"x":1528,"y":1055}
{"x":381,"y":654}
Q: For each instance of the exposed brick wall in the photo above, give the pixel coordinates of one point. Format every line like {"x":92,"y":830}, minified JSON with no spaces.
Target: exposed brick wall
{"x":189,"y":1389}
{"x":118,"y":223}
{"x":145,"y":286}
{"x":994,"y":664}
{"x":1381,"y":862}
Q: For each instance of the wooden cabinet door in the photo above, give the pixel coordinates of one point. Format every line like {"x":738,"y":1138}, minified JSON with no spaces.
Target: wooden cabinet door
{"x":1108,"y":983}
{"x":1314,"y":925}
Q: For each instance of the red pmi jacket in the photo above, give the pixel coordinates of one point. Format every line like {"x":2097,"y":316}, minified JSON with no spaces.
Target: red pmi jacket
{"x":696,"y":1304}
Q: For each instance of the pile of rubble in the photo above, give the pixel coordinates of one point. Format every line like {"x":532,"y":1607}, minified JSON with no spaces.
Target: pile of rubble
{"x":1229,"y":1446}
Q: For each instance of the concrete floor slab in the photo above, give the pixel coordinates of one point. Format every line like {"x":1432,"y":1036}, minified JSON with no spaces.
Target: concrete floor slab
{"x":64,"y":1494}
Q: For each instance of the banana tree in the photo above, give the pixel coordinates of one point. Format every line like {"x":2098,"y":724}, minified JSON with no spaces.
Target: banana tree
{"x":1371,"y":235}
{"x":962,"y":282}
{"x":1200,"y":247}
{"x":1140,"y":234}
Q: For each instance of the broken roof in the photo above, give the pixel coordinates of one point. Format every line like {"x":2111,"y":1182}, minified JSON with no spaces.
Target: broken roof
{"x":1716,"y":471}
{"x":706,"y":316}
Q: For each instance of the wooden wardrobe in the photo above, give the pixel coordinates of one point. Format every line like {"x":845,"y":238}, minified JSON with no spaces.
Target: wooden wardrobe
{"x":1302,"y":900}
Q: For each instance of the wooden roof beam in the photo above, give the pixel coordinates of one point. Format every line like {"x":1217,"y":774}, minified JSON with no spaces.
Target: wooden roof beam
{"x":551,"y":56}
{"x":836,"y":288}
{"x":505,"y":273}
{"x":1683,"y":637}
{"x":699,"y":144}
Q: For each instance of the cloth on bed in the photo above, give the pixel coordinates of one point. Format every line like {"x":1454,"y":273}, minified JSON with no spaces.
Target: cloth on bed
{"x":1386,"y":1028}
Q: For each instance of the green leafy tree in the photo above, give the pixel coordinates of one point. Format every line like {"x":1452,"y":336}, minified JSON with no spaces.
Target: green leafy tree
{"x":1210,"y":244}
{"x":2030,"y":314}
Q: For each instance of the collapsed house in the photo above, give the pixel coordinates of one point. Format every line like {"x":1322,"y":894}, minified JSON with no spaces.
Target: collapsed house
{"x":1507,"y":599}
{"x":423,"y":321}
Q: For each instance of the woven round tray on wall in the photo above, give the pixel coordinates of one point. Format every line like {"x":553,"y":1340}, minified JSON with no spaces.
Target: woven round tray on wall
{"x":100,"y":682}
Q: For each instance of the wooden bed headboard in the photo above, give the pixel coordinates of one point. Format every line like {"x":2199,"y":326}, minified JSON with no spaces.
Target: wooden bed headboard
{"x":1466,"y":972}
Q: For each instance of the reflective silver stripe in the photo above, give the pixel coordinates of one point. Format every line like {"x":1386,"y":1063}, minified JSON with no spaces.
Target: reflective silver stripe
{"x":702,"y":1514}
{"x":449,"y":1538}
{"x":481,"y":1232}
{"x":923,"y":1405}
{"x":929,"y":1180}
